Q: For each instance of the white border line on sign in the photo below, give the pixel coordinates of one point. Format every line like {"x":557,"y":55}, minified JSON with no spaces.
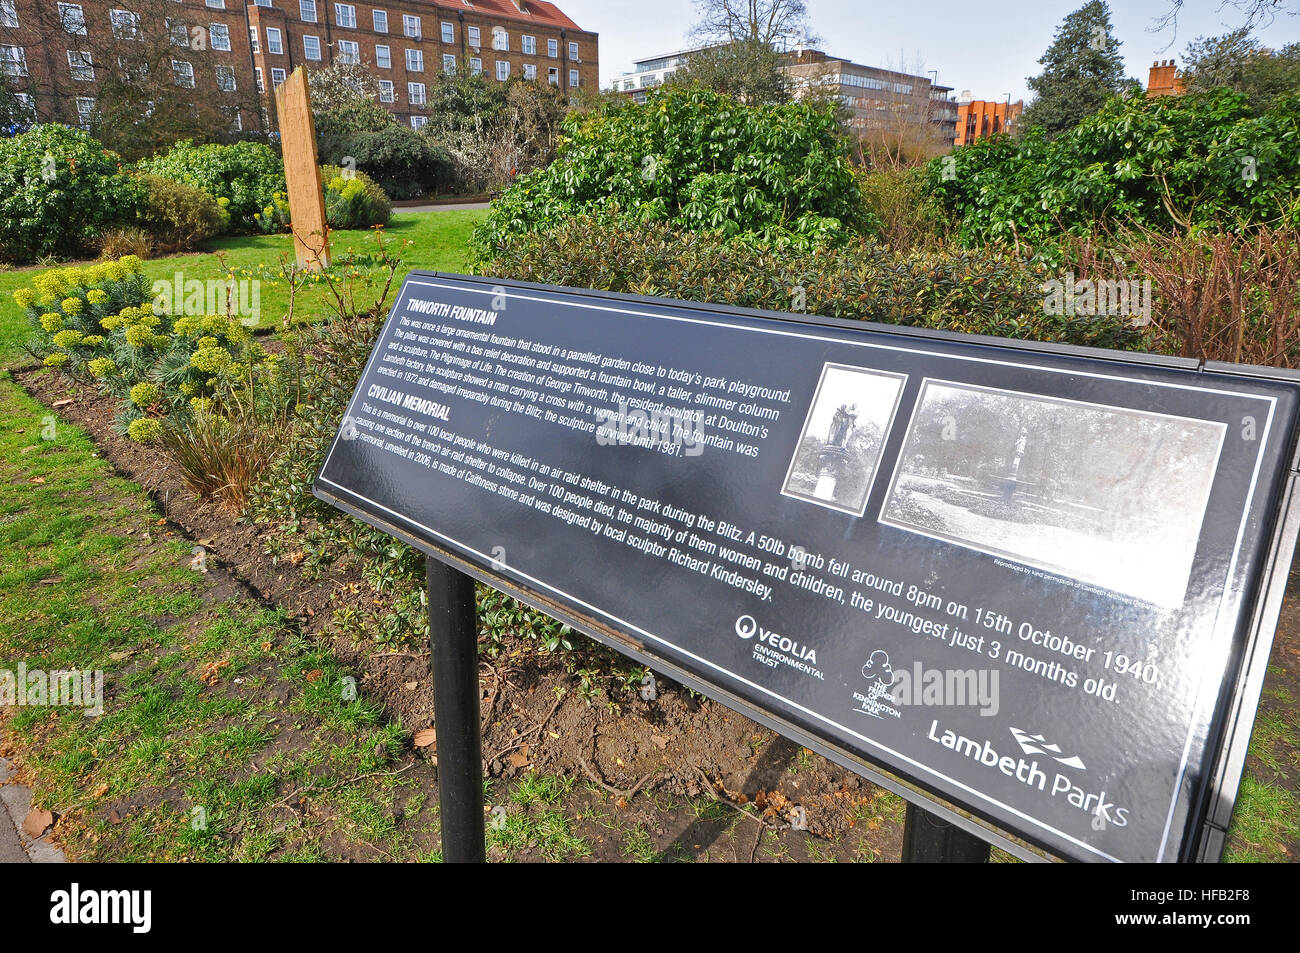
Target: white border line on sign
{"x":645,"y":311}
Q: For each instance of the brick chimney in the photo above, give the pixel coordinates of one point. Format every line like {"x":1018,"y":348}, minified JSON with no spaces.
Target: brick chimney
{"x":1164,"y":80}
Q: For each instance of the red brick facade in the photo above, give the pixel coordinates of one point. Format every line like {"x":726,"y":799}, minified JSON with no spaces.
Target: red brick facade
{"x":404,"y":42}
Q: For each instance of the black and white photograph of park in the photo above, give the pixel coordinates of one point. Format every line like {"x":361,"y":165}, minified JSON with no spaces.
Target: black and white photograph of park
{"x":1109,"y":496}
{"x":839,"y":449}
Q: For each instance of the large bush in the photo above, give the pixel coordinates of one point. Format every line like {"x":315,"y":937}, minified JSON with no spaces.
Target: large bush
{"x":178,"y":215}
{"x":247,"y":174}
{"x":404,"y":163}
{"x":59,"y":189}
{"x":1169,"y":162}
{"x":353,"y":200}
{"x":695,"y":159}
{"x":978,"y":292}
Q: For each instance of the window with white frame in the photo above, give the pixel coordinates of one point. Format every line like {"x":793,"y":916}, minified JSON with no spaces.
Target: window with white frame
{"x":553,"y":48}
{"x":383,"y":58}
{"x":349,"y":51}
{"x":226,"y":79}
{"x":277,"y":75}
{"x":219,"y":36}
{"x":8,"y":13}
{"x":216,"y":4}
{"x":530,"y":71}
{"x":500,"y":38}
{"x":126,"y":25}
{"x":573,"y":77}
{"x":410,"y":25}
{"x":85,"y":108}
{"x":26,"y":105}
{"x":476,"y":66}
{"x":307,"y":11}
{"x":81,"y":66}
{"x":177,"y":32}
{"x":311,"y":47}
{"x":503,"y":70}
{"x":259,"y":79}
{"x":262,"y":3}
{"x":237,"y":124}
{"x":448,"y":32}
{"x":573,"y":51}
{"x":252,"y":40}
{"x":415,"y":61}
{"x":419,"y":122}
{"x":72,"y":18}
{"x":415,"y":93}
{"x":380,"y":20}
{"x":474,"y":36}
{"x":448,"y":63}
{"x":528,"y":45}
{"x":274,"y":40}
{"x":345,"y":14}
{"x":553,"y":75}
{"x":386,"y":91}
{"x":183,"y":73}
{"x":13,"y":61}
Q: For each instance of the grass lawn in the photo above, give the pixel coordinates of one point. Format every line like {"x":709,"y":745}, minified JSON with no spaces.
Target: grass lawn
{"x":440,"y":244}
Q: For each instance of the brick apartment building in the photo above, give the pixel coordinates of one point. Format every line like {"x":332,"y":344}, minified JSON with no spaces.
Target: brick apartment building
{"x":53,"y":54}
{"x":981,"y":118}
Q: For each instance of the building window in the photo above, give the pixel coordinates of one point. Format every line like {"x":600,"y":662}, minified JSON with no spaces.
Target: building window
{"x":307,"y":11}
{"x":85,"y":108}
{"x":8,"y":13}
{"x":386,"y":91}
{"x":553,"y":48}
{"x":311,"y":47}
{"x":277,"y":75}
{"x":345,"y":14}
{"x":274,"y":40}
{"x":237,"y":124}
{"x":349,"y":51}
{"x":183,"y":73}
{"x":79,"y":64}
{"x":573,"y":52}
{"x":573,"y":77}
{"x":177,"y":32}
{"x":528,"y":45}
{"x":415,"y":93}
{"x":474,"y":36}
{"x":219,"y":35}
{"x":126,"y":25}
{"x":260,"y":3}
{"x":26,"y":106}
{"x":72,"y":18}
{"x":380,"y":19}
{"x":448,"y":64}
{"x":553,"y":75}
{"x":503,"y":70}
{"x":252,"y":38}
{"x":13,"y":61}
{"x":383,"y":59}
{"x":261,"y":81}
{"x":448,"y":32}
{"x":415,"y":61}
{"x":500,"y":38}
{"x":530,"y":71}
{"x":476,"y":66}
{"x":216,"y":4}
{"x":226,"y":79}
{"x":419,"y":122}
{"x":410,"y":25}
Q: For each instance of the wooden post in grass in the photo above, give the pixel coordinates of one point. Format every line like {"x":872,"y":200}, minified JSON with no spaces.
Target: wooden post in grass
{"x":311,"y":244}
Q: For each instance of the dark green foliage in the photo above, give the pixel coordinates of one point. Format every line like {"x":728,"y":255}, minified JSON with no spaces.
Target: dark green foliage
{"x":1241,"y":63}
{"x":248,"y":174}
{"x":1197,"y":160}
{"x":404,"y":163}
{"x":749,"y":70}
{"x":1081,"y":70}
{"x":59,"y":189}
{"x":695,"y":159}
{"x":180,"y":216}
{"x":353,"y":200}
{"x":985,"y":292}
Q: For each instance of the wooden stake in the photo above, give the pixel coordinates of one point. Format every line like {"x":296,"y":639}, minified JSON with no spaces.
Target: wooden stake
{"x":301,"y":174}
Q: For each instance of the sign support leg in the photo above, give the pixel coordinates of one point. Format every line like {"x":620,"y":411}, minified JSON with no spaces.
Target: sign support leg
{"x":929,"y":839}
{"x":453,"y":642}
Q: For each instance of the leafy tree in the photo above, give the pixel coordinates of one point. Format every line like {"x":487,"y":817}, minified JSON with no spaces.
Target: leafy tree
{"x":1081,"y":69}
{"x":750,"y":70}
{"x":1238,"y":61}
{"x":345,"y":102}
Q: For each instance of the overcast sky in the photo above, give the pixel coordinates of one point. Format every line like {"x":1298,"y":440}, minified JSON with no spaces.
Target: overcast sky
{"x":988,"y":48}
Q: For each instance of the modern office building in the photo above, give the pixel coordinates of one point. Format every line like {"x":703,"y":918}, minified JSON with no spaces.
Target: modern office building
{"x":54,"y":54}
{"x":981,"y":118}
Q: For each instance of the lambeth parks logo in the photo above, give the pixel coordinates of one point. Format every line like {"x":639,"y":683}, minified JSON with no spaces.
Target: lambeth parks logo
{"x":774,"y":649}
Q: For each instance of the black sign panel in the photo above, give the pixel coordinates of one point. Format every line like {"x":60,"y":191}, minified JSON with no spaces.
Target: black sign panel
{"x":1032,"y":581}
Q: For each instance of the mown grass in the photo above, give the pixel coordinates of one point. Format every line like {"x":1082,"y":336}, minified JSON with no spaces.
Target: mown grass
{"x":225,"y":734}
{"x":439,"y":243}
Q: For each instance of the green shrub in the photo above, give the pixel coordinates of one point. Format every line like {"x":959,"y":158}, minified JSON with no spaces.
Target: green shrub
{"x":402,"y":162}
{"x":1183,"y":162}
{"x":697,"y":159}
{"x":353,"y":200}
{"x":978,"y":292}
{"x":59,"y":189}
{"x":180,"y":216}
{"x":246,"y":174}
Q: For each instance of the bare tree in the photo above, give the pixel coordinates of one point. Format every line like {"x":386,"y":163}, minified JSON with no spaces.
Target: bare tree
{"x":1254,"y":12}
{"x":773,"y":23}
